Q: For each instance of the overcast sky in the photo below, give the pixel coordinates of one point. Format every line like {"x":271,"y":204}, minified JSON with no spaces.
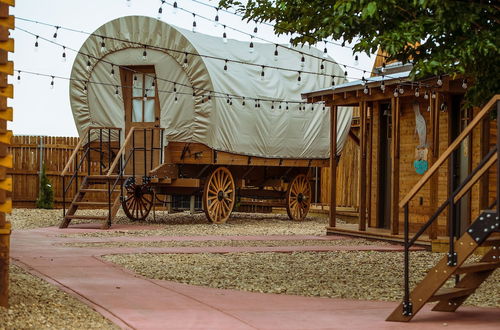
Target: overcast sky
{"x":39,"y":110}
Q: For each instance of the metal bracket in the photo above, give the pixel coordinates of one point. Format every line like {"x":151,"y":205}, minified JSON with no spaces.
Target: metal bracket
{"x":215,"y":156}
{"x":485,"y":224}
{"x":452,"y":259}
{"x":407,"y":308}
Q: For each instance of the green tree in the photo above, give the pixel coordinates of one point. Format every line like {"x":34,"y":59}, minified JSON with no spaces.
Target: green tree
{"x":46,"y":195}
{"x":459,"y":38}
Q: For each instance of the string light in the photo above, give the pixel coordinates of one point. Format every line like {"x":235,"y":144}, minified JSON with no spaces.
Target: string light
{"x":224,"y":35}
{"x":383,"y":67}
{"x":262,"y":73}
{"x":365,"y":90}
{"x":464,"y":84}
{"x":396,"y":94}
{"x":255,"y":30}
{"x":345,"y":72}
{"x":55,"y":33}
{"x":433,"y":94}
{"x":272,"y":105}
{"x":194,"y":22}
{"x":302,"y":60}
{"x":286,"y":107}
{"x":146,"y":95}
{"x":325,"y":51}
{"x":112,"y":72}
{"x":276,"y":53}
{"x":185,"y":59}
{"x":299,"y":78}
{"x":85,"y":86}
{"x":129,"y":3}
{"x":225,"y":65}
{"x":251,"y":46}
{"x":382,"y":85}
{"x":401,"y":90}
{"x":333,"y":80}
{"x":417,"y":92}
{"x":216,"y":19}
{"x":103,"y":45}
{"x":175,"y":98}
{"x":439,"y":82}
{"x":160,"y":10}
{"x":243,"y":101}
{"x":356,"y":60}
{"x":153,"y":84}
{"x":64,"y":54}
{"x":174,"y":8}
{"x":135,"y":80}
{"x":88,"y":63}
{"x":144,"y":54}
{"x":426,"y":95}
{"x":322,"y":66}
{"x":18,"y":76}
{"x":36,"y":43}
{"x":52,"y":83}
{"x":116,"y":91}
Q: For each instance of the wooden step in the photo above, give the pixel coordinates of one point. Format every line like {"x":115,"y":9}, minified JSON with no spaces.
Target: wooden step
{"x":450,"y":293}
{"x":91,"y":203}
{"x":92,"y":190}
{"x":87,"y":217}
{"x":477,"y":267}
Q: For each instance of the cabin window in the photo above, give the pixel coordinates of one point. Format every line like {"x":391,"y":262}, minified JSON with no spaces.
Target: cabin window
{"x":143,"y":98}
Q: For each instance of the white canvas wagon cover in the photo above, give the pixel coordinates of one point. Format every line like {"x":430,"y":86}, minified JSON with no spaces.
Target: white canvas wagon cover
{"x":236,"y":128}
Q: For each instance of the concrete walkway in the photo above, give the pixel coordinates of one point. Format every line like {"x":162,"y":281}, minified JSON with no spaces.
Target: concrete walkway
{"x":135,"y":302}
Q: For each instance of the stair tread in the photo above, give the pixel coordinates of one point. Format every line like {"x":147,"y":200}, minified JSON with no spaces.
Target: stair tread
{"x":477,"y":267}
{"x":87,"y":217}
{"x":448,"y":293}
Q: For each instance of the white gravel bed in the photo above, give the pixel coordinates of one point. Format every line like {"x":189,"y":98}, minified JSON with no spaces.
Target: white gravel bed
{"x":231,"y":243}
{"x":36,"y":304}
{"x":342,"y":274}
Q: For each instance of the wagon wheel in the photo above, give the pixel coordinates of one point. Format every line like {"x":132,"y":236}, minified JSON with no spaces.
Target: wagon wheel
{"x":219,"y":195}
{"x":138,"y":200}
{"x":298,"y":197}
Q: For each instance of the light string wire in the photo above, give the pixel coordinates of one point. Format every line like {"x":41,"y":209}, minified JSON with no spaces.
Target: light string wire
{"x":175,"y":83}
{"x":274,"y":25}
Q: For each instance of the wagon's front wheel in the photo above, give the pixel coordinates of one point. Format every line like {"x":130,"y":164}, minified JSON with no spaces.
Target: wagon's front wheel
{"x":298,"y":197}
{"x":138,"y":200}
{"x":219,"y":195}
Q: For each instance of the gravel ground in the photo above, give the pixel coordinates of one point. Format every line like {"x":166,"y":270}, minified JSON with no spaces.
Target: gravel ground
{"x":232,"y":243}
{"x":36,"y":304}
{"x":342,"y":274}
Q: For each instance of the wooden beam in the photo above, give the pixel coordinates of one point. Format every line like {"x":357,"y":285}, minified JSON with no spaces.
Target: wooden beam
{"x":362,"y":167}
{"x":333,"y":165}
{"x":370,"y":155}
{"x":354,"y":137}
{"x":395,"y":166}
{"x":433,"y":155}
{"x":484,"y":146}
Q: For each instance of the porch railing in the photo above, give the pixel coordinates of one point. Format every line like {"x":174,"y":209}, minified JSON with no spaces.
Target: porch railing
{"x":454,"y":196}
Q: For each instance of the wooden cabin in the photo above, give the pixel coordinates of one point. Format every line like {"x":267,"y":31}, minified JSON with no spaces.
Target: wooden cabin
{"x":388,"y":149}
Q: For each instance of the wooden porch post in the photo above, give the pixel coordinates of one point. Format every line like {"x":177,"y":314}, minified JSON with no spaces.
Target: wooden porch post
{"x":395,"y":166}
{"x":370,"y":170}
{"x":433,"y":156}
{"x":333,"y":165}
{"x":362,"y":167}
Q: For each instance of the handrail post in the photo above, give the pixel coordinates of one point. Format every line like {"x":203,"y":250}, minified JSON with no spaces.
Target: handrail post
{"x":145,"y":154}
{"x":109,"y":148}
{"x":161,"y":145}
{"x":498,"y":158}
{"x":90,"y":152}
{"x":452,"y":256}
{"x":133,"y":153}
{"x":407,"y":305}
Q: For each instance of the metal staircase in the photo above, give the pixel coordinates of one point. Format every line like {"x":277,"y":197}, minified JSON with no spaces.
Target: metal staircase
{"x":483,"y":231}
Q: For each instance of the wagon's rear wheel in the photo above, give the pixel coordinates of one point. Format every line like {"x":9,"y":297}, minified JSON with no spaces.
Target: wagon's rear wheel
{"x":138,"y":200}
{"x":219,"y":195}
{"x":298,"y":197}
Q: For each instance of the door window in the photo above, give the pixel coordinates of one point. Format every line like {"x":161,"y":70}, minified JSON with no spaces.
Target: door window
{"x":143,"y":98}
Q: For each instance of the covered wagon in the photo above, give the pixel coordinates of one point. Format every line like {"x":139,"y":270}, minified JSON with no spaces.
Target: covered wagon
{"x":165,"y":111}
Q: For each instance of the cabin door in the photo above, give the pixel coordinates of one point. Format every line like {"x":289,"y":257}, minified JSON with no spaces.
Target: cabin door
{"x":460,"y":118}
{"x":384,"y":185}
{"x":142,"y":112}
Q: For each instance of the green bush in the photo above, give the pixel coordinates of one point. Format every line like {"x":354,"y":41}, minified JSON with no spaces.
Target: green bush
{"x":46,"y":193}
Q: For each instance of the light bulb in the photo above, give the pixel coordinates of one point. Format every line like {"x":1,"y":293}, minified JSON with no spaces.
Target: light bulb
{"x":174,"y":8}
{"x":255,"y":29}
{"x":383,"y":67}
{"x":243,"y":101}
{"x":417,"y":92}
{"x":365,"y":90}
{"x":18,"y":77}
{"x":117,"y":93}
{"x":440,"y":81}
{"x":36,"y":44}
{"x":112,"y":72}
{"x":160,"y":12}
{"x":433,"y":95}
{"x":64,"y":54}
{"x":88,"y":65}
{"x":426,"y":96}
{"x":251,"y":47}
{"x":325,"y":51}
{"x":396,"y":94}
{"x":216,"y":19}
{"x":356,"y":60}
{"x":175,"y":98}
{"x":52,"y":83}
{"x":129,"y":3}
{"x":333,"y":80}
{"x":262,"y":74}
{"x":276,"y":54}
{"x":225,"y":66}
{"x":464,"y":84}
{"x":224,"y":35}
{"x":194,"y":22}
{"x":103,"y":46}
{"x":302,"y":61}
{"x":401,"y":90}
{"x":55,"y":33}
{"x":144,"y":55}
{"x":322,"y":66}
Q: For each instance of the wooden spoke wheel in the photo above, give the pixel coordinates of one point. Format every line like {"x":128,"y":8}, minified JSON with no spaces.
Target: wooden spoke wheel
{"x":219,"y":195}
{"x":138,"y":200}
{"x":298,"y":197}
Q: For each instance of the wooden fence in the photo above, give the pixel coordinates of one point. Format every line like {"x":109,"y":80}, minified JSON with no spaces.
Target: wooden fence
{"x":29,"y":154}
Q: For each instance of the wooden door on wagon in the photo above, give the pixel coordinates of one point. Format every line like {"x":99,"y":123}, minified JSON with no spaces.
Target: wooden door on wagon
{"x":142,"y":112}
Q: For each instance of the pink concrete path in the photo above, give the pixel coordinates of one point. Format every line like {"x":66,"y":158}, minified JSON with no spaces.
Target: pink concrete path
{"x":134,"y":302}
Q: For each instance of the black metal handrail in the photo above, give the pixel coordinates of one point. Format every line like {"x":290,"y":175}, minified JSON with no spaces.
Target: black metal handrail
{"x":86,"y":157}
{"x":450,"y":202}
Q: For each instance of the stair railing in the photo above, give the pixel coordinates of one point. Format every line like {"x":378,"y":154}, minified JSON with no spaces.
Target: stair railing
{"x":85,"y":142}
{"x":453,"y":198}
